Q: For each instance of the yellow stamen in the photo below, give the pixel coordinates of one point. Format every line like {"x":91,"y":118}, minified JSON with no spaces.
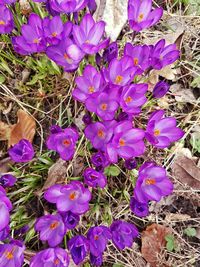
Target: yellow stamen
{"x":140,"y":17}
{"x":156,"y":132}
{"x":54,"y":34}
{"x":100,"y":133}
{"x":8,"y":255}
{"x":121,"y":142}
{"x":54,"y":225}
{"x":104,"y":106}
{"x":135,"y":61}
{"x":91,"y":89}
{"x":36,"y":41}
{"x":2,"y":22}
{"x":118,"y":79}
{"x":150,"y":181}
{"x":129,"y":99}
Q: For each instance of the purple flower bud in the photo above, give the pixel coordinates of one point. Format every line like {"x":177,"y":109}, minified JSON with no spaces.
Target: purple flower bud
{"x":99,"y":159}
{"x":70,"y":219}
{"x":4,"y":233}
{"x":110,"y":52}
{"x":22,"y":151}
{"x":5,"y":207}
{"x":21,"y":231}
{"x":138,"y":208}
{"x":12,"y":254}
{"x":54,"y":257}
{"x":130,"y":164}
{"x":78,"y":247}
{"x":54,"y":129}
{"x":7,"y":180}
{"x":92,"y":5}
{"x":51,"y":228}
{"x":123,"y":116}
{"x":160,"y":89}
{"x":123,"y":234}
{"x":87,"y":119}
{"x":98,"y":238}
{"x":94,"y":178}
{"x":96,"y":260}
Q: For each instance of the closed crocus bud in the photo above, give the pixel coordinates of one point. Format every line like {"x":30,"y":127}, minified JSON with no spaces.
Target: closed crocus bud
{"x":70,"y":219}
{"x":78,"y":247}
{"x":160,"y":89}
{"x":138,"y":208}
{"x":7,"y":180}
{"x":22,"y":151}
{"x":130,"y":164}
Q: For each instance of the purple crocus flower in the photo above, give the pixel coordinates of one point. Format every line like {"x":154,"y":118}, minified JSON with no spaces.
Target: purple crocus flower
{"x":78,"y":247}
{"x":7,"y":180}
{"x":6,"y":20}
{"x":98,"y":237}
{"x":96,"y":260}
{"x":133,"y":97}
{"x":160,"y":89}
{"x":66,"y":54}
{"x":4,"y":233}
{"x":99,"y":133}
{"x":130,"y":164}
{"x":103,"y":105}
{"x":5,"y":207}
{"x":120,"y":71}
{"x":89,"y":34}
{"x":70,"y":219}
{"x":140,"y":15}
{"x":152,"y":183}
{"x":54,"y":129}
{"x":53,"y":29}
{"x":161,"y":131}
{"x":89,"y":84}
{"x":22,"y":151}
{"x":110,"y":53}
{"x":138,"y":208}
{"x":67,"y":6}
{"x":12,"y":254}
{"x":162,"y":55}
{"x":51,"y":229}
{"x":54,"y":257}
{"x":63,"y":142}
{"x":94,"y":178}
{"x":123,"y":234}
{"x":140,"y":55}
{"x":127,"y":142}
{"x":32,"y":39}
{"x":99,"y":159}
{"x":7,"y":2}
{"x":72,"y":197}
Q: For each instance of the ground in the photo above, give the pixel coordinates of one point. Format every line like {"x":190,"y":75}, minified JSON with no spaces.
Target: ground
{"x":43,"y":91}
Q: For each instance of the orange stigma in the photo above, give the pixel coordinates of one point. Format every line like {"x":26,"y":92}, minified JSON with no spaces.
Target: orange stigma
{"x":91,"y":89}
{"x":156,"y":132}
{"x":87,"y":41}
{"x":118,"y":79}
{"x":140,"y":17}
{"x":67,"y":58}
{"x":104,"y":106}
{"x":8,"y":255}
{"x":54,"y":225}
{"x":56,"y":261}
{"x":66,"y":142}
{"x":36,"y":41}
{"x":2,"y":22}
{"x":150,"y":181}
{"x":121,"y":142}
{"x":96,"y":237}
{"x":54,"y":34}
{"x":100,"y":133}
{"x":129,"y":99}
{"x":72,"y":196}
{"x":135,"y":61}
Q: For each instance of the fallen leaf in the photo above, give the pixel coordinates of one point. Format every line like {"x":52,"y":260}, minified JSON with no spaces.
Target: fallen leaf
{"x":5,"y":165}
{"x":56,"y":174}
{"x":153,"y":242}
{"x":186,"y":171}
{"x":177,"y":217}
{"x":114,"y":14}
{"x":23,"y":129}
{"x":78,"y":166}
{"x":183,"y":95}
{"x":79,"y":121}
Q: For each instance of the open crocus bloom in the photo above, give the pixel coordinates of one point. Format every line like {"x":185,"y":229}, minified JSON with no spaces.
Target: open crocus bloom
{"x":6,"y":20}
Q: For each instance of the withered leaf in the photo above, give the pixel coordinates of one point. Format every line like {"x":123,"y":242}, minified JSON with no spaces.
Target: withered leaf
{"x":5,"y":130}
{"x":185,"y":170}
{"x":78,"y":166}
{"x":5,"y":164}
{"x":153,"y":242}
{"x":56,"y":174}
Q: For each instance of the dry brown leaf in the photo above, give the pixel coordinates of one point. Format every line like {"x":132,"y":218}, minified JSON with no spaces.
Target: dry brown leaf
{"x":153,"y":242}
{"x":177,"y":217}
{"x":5,"y":131}
{"x":56,"y":174}
{"x":183,"y":95}
{"x":5,"y":165}
{"x":114,"y":13}
{"x":186,"y":171}
{"x":78,"y":166}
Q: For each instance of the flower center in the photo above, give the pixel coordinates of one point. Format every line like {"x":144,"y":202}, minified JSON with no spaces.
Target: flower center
{"x":72,"y":196}
{"x":54,"y":34}
{"x":54,"y":225}
{"x":36,"y":41}
{"x":91,"y":89}
{"x":140,"y":17}
{"x":93,"y":177}
{"x":121,"y":142}
{"x":96,"y":237}
{"x":129,"y":99}
{"x":100,"y":133}
{"x":67,"y":58}
{"x":66,"y":142}
{"x":104,"y":106}
{"x":150,"y":181}
{"x":56,"y":261}
{"x":156,"y":132}
{"x":2,"y":22}
{"x":118,"y":79}
{"x":135,"y":61}
{"x":87,"y":41}
{"x":8,"y":255}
